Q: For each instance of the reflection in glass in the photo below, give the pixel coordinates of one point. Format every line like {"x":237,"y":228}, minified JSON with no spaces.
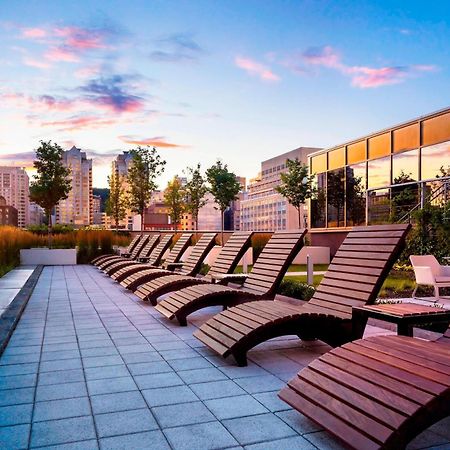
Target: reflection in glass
{"x":404,"y":197}
{"x":379,"y":207}
{"x":433,"y":158}
{"x":335,"y":197}
{"x":407,"y":162}
{"x":355,"y":194}
{"x":379,"y":172}
{"x":318,"y":202}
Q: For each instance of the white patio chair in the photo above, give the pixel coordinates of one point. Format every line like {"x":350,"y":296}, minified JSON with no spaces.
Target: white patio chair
{"x":429,"y":272}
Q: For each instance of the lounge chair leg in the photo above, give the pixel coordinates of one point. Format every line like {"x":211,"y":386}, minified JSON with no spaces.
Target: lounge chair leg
{"x":414,"y":291}
{"x":182,"y":320}
{"x":241,"y":359}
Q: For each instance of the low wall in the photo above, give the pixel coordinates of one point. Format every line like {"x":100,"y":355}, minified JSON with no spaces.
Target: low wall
{"x":48,"y":256}
{"x":319,"y":255}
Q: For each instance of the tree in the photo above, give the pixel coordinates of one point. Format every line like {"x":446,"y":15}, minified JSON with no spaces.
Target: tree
{"x":224,"y":186}
{"x":174,"y":196}
{"x":51,"y":183}
{"x":116,"y":204}
{"x":145,"y":167}
{"x":296,"y":185}
{"x":196,"y":190}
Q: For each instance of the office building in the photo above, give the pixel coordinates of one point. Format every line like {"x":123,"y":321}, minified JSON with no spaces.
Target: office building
{"x":263,"y":208}
{"x":8,"y":214}
{"x":37,"y":214}
{"x":77,"y":208}
{"x":15,"y":188}
{"x":380,"y":177}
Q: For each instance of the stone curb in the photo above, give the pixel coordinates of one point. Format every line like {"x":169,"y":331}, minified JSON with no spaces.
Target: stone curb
{"x":11,"y":315}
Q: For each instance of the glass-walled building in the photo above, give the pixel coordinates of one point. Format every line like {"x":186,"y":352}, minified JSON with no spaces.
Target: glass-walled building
{"x":379,"y":178}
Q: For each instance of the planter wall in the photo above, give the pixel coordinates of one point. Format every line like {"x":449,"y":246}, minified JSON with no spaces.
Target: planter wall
{"x":48,"y":256}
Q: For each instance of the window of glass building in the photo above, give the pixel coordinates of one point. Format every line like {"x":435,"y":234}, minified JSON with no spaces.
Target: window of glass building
{"x":318,"y":202}
{"x":433,"y":158}
{"x":356,"y":152}
{"x":319,"y":163}
{"x":335,"y":197}
{"x":405,"y":167}
{"x":436,"y":130}
{"x":406,"y":138}
{"x":355,"y":194}
{"x":379,"y":172}
{"x":380,"y":145}
{"x":379,"y":206}
{"x":336,"y":158}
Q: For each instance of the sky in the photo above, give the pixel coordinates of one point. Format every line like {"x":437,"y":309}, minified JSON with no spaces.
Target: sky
{"x":242,"y":81}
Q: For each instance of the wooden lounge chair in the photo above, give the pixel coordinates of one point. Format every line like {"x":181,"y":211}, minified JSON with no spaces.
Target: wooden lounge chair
{"x":262,"y":282}
{"x":133,"y":280}
{"x":127,"y":252}
{"x":145,"y":262}
{"x":226,"y":262}
{"x":190,"y":267}
{"x":134,"y":254}
{"x":376,"y":393}
{"x":354,"y":278}
{"x":146,"y":251}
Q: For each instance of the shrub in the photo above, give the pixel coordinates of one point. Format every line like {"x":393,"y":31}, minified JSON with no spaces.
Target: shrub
{"x":296,"y":289}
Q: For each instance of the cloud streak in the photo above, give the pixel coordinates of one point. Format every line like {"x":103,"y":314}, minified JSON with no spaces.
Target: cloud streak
{"x":157,"y":141}
{"x":362,"y":77}
{"x":177,"y":48}
{"x":256,"y":69}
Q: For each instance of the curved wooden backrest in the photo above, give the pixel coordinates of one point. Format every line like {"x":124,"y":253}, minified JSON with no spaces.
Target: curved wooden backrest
{"x":274,"y":261}
{"x":231,"y":253}
{"x":140,"y":245}
{"x":160,"y":249}
{"x":359,"y":268}
{"x":179,"y":248}
{"x":193,"y":264}
{"x":133,"y":243}
{"x":149,"y":246}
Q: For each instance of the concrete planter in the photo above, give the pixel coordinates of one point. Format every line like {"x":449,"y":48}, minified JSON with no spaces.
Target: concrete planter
{"x":319,"y":255}
{"x":48,"y":256}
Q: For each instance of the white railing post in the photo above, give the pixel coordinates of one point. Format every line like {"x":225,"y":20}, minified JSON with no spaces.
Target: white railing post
{"x":309,"y":270}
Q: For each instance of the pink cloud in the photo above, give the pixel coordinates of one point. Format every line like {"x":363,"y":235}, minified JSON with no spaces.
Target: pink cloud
{"x":37,"y":63}
{"x":80,"y":38}
{"x":363,"y":77}
{"x":87,"y":72}
{"x":255,"y":68}
{"x":34,"y":33}
{"x":157,"y":141}
{"x":61,"y":54}
{"x":79,"y":122}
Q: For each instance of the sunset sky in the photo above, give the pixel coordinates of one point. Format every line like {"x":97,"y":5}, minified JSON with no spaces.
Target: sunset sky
{"x":238,"y":80}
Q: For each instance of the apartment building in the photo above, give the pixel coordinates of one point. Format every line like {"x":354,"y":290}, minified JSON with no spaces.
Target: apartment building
{"x":8,"y":214}
{"x":37,"y":214}
{"x":15,"y":188}
{"x":120,"y":166}
{"x":77,"y":209}
{"x":263,"y":208}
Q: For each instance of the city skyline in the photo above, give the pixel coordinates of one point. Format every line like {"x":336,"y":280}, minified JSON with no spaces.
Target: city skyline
{"x":239,"y":81}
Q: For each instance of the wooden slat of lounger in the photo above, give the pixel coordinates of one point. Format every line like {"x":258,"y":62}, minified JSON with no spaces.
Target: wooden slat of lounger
{"x":440,"y":346}
{"x":345,"y":411}
{"x":217,"y":346}
{"x":398,"y":361}
{"x":350,"y":269}
{"x":361,"y":286}
{"x":334,"y":423}
{"x":358,"y":262}
{"x":383,"y":380}
{"x":179,"y":248}
{"x":396,"y":373}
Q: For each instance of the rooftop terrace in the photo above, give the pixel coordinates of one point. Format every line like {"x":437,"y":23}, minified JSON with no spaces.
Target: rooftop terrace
{"x":91,"y":366}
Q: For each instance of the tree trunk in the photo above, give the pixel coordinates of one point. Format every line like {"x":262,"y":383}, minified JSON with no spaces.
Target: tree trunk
{"x":222,"y":213}
{"x":49,"y":229}
{"x":142,"y":220}
{"x":300,"y":225}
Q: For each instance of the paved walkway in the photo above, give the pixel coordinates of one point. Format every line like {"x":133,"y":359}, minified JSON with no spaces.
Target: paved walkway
{"x":11,"y":283}
{"x":90,"y":366}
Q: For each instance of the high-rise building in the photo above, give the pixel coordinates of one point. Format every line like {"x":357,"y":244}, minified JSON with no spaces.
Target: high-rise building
{"x":263,"y":208}
{"x":120,"y":166}
{"x":37,"y":214}
{"x":77,"y":208}
{"x":97,"y":215}
{"x":8,"y":214}
{"x":15,"y":188}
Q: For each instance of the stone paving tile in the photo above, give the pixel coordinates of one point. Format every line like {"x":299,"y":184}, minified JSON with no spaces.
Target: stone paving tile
{"x":61,"y":409}
{"x":15,"y":414}
{"x":217,"y":389}
{"x":155,"y":439}
{"x":14,"y":437}
{"x":90,"y":444}
{"x":61,"y":377}
{"x":261,"y":384}
{"x":205,"y":436}
{"x":120,"y":384}
{"x":64,"y":364}
{"x":121,"y":401}
{"x":182,"y":414}
{"x":168,"y":395}
{"x":124,"y":422}
{"x":324,"y":440}
{"x":19,"y":369}
{"x":16,"y":396}
{"x":232,"y":407}
{"x":271,"y":401}
{"x":253,"y":429}
{"x":98,"y":373}
{"x":190,"y":363}
{"x":158,"y":380}
{"x":149,"y":368}
{"x":18,"y":381}
{"x":62,"y":431}
{"x":201,"y":375}
{"x":60,"y":391}
{"x":293,"y":443}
